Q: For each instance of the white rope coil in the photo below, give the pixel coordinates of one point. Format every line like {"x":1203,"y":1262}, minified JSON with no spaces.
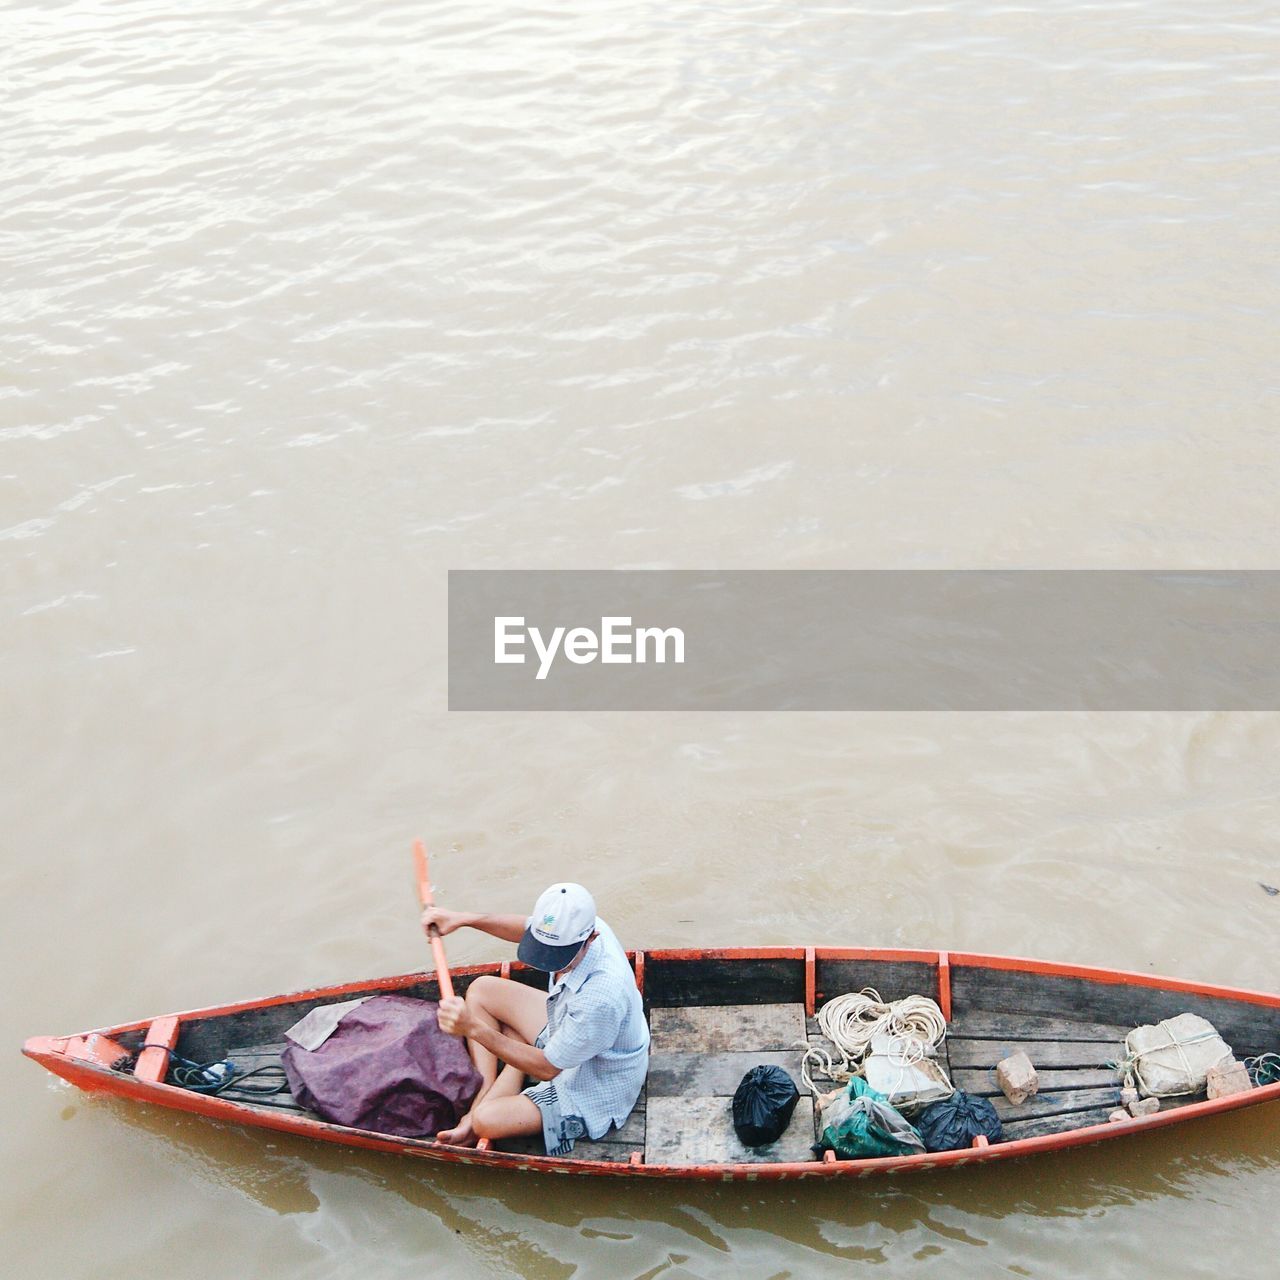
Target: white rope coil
{"x":851,"y":1021}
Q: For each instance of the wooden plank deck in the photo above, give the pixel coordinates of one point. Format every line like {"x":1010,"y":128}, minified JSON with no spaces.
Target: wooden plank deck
{"x":746,"y":1028}
{"x":700,"y":1075}
{"x":1058,"y":1054}
{"x":982,"y":1080}
{"x":698,"y":1058}
{"x":1074,"y":1059}
{"x":699,"y":1130}
{"x":250,"y":1058}
{"x":700,"y":1053}
{"x":983,"y":1024}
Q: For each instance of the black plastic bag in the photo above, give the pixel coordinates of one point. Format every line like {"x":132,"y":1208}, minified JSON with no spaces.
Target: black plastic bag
{"x":954,"y":1122}
{"x":762,"y":1105}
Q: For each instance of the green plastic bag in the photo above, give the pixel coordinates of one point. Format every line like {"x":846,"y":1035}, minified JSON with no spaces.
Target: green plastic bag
{"x":860,"y":1124}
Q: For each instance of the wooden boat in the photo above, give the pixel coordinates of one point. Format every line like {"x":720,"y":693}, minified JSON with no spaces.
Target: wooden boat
{"x":714,"y":1014}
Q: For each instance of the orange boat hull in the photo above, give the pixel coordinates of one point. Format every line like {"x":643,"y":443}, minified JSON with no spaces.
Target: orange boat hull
{"x":85,"y":1060}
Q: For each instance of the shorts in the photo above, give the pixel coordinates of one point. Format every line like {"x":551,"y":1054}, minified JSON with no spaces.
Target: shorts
{"x":559,"y":1131}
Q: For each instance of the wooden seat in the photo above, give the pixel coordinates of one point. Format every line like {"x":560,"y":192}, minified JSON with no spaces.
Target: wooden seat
{"x":153,"y":1061}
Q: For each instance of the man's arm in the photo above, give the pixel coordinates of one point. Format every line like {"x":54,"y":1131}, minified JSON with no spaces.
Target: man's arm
{"x":456,"y":1020}
{"x":508,"y":928}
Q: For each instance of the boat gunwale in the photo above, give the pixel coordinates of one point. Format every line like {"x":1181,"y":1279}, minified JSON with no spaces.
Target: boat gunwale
{"x":957,"y":959}
{"x":96,"y":1077}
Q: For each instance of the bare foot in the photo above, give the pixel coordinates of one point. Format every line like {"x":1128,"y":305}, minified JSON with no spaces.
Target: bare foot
{"x":461,"y":1135}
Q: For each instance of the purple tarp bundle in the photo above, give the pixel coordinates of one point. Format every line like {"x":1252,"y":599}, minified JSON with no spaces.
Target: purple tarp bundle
{"x":387,"y":1067}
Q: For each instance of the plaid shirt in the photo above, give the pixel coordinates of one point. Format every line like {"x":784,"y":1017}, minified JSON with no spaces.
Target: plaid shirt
{"x":597,"y":1036}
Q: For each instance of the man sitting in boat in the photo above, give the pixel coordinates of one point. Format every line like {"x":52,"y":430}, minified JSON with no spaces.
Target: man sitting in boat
{"x":584,"y":1043}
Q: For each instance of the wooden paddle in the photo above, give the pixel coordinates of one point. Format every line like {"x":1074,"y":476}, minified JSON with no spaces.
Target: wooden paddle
{"x":433,"y":934}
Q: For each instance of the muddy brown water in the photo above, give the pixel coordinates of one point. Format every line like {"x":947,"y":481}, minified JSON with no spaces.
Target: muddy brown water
{"x":306,"y":304}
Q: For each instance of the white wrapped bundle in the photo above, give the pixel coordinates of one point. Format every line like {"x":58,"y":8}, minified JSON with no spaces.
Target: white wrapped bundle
{"x":1173,"y":1057}
{"x":899,"y":1069}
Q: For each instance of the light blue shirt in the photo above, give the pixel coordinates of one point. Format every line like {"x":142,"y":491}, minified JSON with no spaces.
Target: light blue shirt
{"x":597,"y":1036}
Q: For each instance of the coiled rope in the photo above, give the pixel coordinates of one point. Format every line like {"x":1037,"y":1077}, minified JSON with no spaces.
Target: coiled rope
{"x":915,"y":1023}
{"x":212,"y":1077}
{"x":1264,"y":1069}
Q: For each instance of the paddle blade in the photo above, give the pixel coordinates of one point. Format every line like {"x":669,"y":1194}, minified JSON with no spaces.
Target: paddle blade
{"x":420,"y":869}
{"x":433,"y":934}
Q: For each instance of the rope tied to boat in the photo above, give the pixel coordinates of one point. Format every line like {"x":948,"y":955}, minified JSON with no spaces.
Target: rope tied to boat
{"x":1264,"y":1069}
{"x":850,"y":1022}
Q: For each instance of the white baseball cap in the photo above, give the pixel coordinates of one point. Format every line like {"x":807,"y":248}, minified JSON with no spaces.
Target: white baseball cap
{"x":564,"y":917}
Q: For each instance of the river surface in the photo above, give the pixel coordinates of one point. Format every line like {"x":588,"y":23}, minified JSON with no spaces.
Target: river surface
{"x":305,"y":304}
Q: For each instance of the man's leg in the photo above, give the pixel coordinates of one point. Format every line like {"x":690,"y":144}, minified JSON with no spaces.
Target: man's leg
{"x":507,"y":1006}
{"x":515,"y":1010}
{"x":505,"y":1117}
